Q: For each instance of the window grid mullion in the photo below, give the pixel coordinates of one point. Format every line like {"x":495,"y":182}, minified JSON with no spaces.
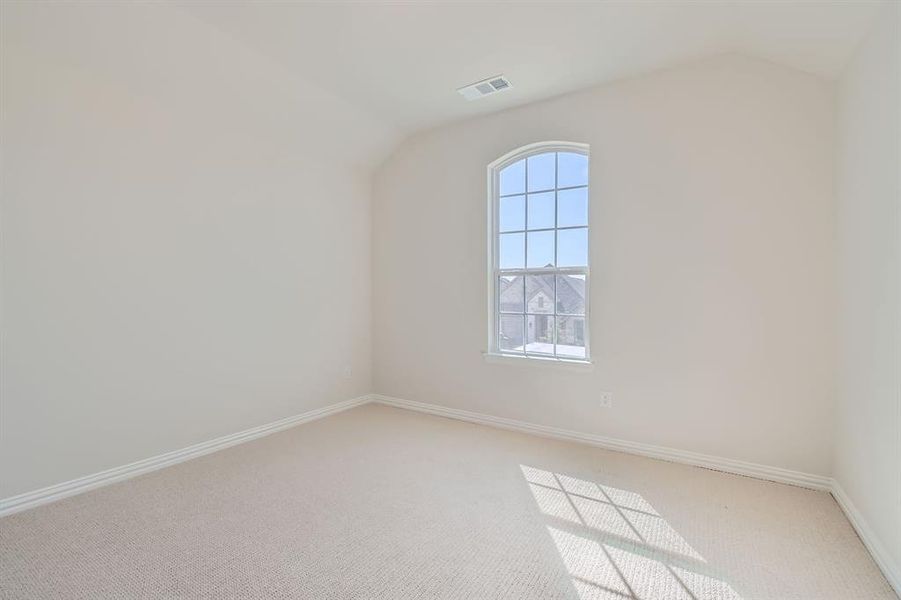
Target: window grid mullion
{"x":556,"y":225}
{"x":543,"y":271}
{"x":524,"y":320}
{"x":526,"y":271}
{"x":544,"y":228}
{"x":495,"y":344}
{"x":563,"y":189}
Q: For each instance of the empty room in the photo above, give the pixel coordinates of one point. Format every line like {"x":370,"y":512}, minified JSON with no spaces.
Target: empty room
{"x":450,"y":300}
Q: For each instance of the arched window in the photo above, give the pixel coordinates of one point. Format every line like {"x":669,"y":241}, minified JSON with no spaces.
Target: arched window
{"x":538,"y":229}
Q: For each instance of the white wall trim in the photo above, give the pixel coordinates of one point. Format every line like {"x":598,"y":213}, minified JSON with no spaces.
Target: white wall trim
{"x":584,"y":366}
{"x":737,"y":467}
{"x":89,"y":482}
{"x":727,"y":465}
{"x":817,"y":482}
{"x":883,"y":560}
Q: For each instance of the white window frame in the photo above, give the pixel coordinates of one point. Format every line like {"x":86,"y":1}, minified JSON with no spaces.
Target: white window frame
{"x":494,"y":353}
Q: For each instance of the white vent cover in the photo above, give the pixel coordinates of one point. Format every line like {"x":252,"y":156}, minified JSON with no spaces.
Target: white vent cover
{"x":485,"y":87}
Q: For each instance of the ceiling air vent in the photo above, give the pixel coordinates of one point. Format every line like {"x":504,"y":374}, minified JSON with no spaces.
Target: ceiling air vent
{"x":485,"y":87}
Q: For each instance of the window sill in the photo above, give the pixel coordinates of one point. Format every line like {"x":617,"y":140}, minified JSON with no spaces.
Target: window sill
{"x":538,"y":361}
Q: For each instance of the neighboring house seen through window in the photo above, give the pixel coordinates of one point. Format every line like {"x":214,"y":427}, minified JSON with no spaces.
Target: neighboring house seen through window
{"x":539,"y":252}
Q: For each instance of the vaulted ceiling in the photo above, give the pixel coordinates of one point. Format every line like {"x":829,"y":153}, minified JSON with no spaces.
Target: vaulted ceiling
{"x":402,"y":61}
{"x":353,"y":79}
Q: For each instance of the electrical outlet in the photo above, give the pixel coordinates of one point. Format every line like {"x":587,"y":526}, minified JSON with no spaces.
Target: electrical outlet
{"x":606,"y":399}
{"x":347,"y":372}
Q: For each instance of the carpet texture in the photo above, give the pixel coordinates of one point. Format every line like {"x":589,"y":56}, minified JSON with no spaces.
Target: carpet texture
{"x":379,"y":502}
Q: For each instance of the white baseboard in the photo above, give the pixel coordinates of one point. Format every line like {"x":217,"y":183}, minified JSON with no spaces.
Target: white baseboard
{"x":883,"y":560}
{"x":768,"y":473}
{"x":728,"y":465}
{"x":90,"y":482}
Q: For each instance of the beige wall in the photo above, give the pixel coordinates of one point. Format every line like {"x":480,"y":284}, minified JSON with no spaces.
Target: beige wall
{"x":186,"y":253}
{"x":185,"y":240}
{"x":712,"y":279}
{"x":868,"y":434}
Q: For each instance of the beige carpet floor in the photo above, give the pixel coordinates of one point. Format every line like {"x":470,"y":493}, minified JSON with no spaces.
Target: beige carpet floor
{"x":378,"y":502}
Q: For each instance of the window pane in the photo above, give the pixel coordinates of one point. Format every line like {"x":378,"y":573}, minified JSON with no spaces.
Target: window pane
{"x":510,"y":293}
{"x":571,"y":294}
{"x":541,"y":249}
{"x":540,"y":329}
{"x":541,"y":210}
{"x":571,"y":337}
{"x":572,"y":169}
{"x":512,"y":251}
{"x":539,"y":309}
{"x":512,"y":213}
{"x":540,"y":293}
{"x":572,"y":247}
{"x":542,"y":172}
{"x":572,"y":207}
{"x":511,"y":332}
{"x":513,"y":179}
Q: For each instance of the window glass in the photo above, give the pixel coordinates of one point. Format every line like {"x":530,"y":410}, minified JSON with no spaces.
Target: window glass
{"x":513,"y":179}
{"x":541,"y":249}
{"x":572,"y":207}
{"x":510,"y":293}
{"x":571,"y":294}
{"x":540,"y":293}
{"x":540,"y":332}
{"x":512,"y":251}
{"x":542,"y":172}
{"x":572,"y":169}
{"x":541,"y":211}
{"x":572,"y":247}
{"x":571,"y":337}
{"x":512,"y":213}
{"x":510,"y":335}
{"x":541,"y":203}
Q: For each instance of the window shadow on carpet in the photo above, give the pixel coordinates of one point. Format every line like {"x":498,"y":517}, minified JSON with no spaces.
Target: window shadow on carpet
{"x":616,"y":546}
